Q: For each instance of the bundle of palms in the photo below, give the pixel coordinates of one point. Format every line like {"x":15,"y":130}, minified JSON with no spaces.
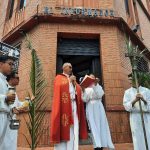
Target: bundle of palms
{"x":37,"y":106}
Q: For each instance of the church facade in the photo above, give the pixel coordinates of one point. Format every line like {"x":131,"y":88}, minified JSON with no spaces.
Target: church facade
{"x":91,"y":35}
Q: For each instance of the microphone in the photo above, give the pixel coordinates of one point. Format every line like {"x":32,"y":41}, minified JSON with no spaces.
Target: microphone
{"x":73,"y":79}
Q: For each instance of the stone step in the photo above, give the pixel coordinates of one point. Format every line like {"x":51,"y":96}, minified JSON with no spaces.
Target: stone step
{"x":123,"y":146}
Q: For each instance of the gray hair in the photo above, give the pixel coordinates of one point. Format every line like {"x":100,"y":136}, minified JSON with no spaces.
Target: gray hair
{"x":66,"y":64}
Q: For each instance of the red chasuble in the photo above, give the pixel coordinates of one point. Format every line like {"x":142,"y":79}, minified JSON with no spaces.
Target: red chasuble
{"x":61,"y":116}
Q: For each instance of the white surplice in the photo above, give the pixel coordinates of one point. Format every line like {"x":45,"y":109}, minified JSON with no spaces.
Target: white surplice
{"x":96,"y":117}
{"x":135,"y":117}
{"x":7,"y":141}
{"x":14,"y":133}
{"x":73,"y":143}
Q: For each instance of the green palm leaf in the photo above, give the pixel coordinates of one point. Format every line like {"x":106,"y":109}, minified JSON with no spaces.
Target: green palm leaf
{"x":144,"y":79}
{"x":37,"y":107}
{"x":135,"y":56}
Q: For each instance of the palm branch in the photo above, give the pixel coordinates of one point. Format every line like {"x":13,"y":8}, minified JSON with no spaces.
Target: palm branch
{"x":144,"y":79}
{"x":135,"y":56}
{"x":37,"y":106}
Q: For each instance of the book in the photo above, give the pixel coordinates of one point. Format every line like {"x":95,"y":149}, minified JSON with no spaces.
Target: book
{"x":87,"y":81}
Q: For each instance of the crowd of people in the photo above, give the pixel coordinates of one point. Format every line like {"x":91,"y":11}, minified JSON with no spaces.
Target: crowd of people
{"x":69,"y":120}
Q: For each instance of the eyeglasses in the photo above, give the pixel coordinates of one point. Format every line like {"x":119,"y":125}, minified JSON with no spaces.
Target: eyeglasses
{"x":16,"y":78}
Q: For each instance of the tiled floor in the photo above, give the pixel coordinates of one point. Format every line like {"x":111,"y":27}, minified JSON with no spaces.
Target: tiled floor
{"x":124,"y":146}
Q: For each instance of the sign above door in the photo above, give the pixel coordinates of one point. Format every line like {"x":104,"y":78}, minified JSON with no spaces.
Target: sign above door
{"x":82,"y":12}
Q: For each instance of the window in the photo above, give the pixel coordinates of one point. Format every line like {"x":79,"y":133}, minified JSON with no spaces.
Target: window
{"x":127,"y":6}
{"x":22,"y":4}
{"x":10,"y":8}
{"x":143,"y":65}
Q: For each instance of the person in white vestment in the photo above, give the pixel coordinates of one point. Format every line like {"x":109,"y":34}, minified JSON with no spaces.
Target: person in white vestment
{"x":131,"y":103}
{"x":96,"y":116}
{"x":13,"y":81}
{"x":6,"y":140}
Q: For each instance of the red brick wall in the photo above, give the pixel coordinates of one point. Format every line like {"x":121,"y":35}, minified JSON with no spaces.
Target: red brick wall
{"x":31,"y":8}
{"x":44,"y":42}
{"x":44,"y":39}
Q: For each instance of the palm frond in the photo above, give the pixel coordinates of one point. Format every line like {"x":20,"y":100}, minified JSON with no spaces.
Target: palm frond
{"x":129,"y":46}
{"x":37,"y":107}
{"x":135,"y":56}
{"x":144,"y":79}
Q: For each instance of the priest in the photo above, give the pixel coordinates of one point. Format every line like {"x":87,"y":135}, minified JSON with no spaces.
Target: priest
{"x":68,"y":122}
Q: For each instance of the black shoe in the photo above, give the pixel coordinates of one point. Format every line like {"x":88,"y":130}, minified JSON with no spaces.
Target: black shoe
{"x":98,"y":148}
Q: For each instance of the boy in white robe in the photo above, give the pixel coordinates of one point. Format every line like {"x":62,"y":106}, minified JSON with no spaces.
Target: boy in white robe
{"x":6,"y":66}
{"x":13,"y":81}
{"x":131,"y":104}
{"x":96,"y":116}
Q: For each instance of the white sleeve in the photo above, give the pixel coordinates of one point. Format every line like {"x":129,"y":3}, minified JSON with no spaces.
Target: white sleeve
{"x":145,"y":108}
{"x":127,"y":102}
{"x":87,"y":95}
{"x":98,"y":91}
{"x":148,"y":101}
{"x":2,"y":101}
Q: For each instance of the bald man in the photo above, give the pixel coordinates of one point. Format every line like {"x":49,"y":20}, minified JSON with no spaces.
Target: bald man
{"x":68,"y":122}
